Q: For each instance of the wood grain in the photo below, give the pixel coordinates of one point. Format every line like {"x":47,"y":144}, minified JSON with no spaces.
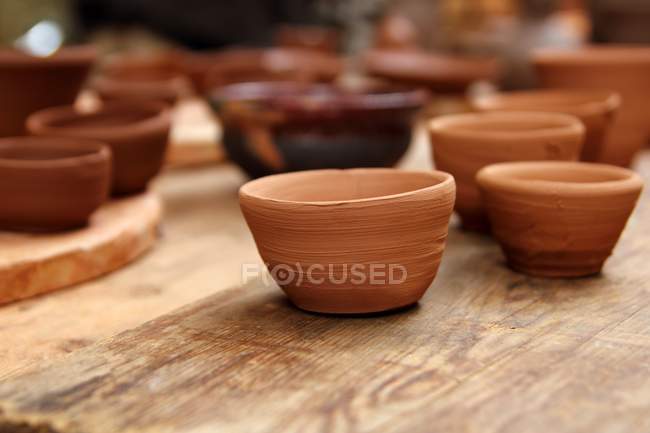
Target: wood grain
{"x":486,"y":350}
{"x":118,"y":233}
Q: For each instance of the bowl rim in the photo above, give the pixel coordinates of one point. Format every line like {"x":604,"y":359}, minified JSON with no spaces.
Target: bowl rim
{"x":94,"y":151}
{"x":443,"y":180}
{"x":84,"y":54}
{"x":40,"y":122}
{"x":575,"y":101}
{"x":500,"y":176}
{"x":593,"y":54}
{"x":452,"y":124}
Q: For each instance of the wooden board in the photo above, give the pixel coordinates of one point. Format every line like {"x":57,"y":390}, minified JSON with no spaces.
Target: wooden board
{"x":119,"y":232}
{"x":487,"y":350}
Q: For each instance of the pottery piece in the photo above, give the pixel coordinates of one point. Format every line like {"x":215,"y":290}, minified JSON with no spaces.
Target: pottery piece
{"x":558,"y":219}
{"x":437,"y":72}
{"x":51,"y":184}
{"x":213,"y":69}
{"x":136,"y":132}
{"x":620,"y":68}
{"x":309,"y":37}
{"x":595,"y":108}
{"x":29,"y":83}
{"x":396,"y":32}
{"x":350,"y":241}
{"x":465,"y":143}
{"x":276,"y":127}
{"x":163,"y":86}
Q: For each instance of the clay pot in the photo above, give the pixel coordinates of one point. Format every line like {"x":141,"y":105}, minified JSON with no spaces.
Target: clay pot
{"x":215,"y":69}
{"x":316,"y":38}
{"x":167,"y":87}
{"x":624,"y":69}
{"x":276,"y":127}
{"x":396,"y":32}
{"x":558,"y":219}
{"x":136,"y":133}
{"x":437,"y":72}
{"x":29,"y":83}
{"x":595,"y":108}
{"x":465,"y":143}
{"x":351,"y":241}
{"x":51,"y":184}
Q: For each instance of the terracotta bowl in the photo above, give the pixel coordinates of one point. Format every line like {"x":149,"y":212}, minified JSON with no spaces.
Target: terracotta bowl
{"x":316,"y":38}
{"x":277,"y":127}
{"x":219,"y":68}
{"x":437,"y":72}
{"x":465,"y":143}
{"x":558,"y":219}
{"x":351,"y":241}
{"x":624,"y":69}
{"x":51,"y":184}
{"x":136,"y":132}
{"x":29,"y":83}
{"x":595,"y":108}
{"x":162,"y":86}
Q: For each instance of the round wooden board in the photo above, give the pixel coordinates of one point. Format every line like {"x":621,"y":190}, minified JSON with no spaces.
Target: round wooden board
{"x":120,"y":231}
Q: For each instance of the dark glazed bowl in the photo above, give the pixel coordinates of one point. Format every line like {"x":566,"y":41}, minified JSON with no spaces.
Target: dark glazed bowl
{"x":137,"y":133}
{"x":279,"y":127}
{"x":51,"y":184}
{"x":29,"y":83}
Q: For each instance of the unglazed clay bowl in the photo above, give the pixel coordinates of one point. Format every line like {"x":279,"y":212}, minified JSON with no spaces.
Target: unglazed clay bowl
{"x":437,"y":72}
{"x":595,"y":108}
{"x":558,"y":219}
{"x":465,"y":143}
{"x":624,"y":69}
{"x":350,"y":241}
{"x":51,"y":184}
{"x":277,"y":127}
{"x":309,"y":37}
{"x":136,"y":132}
{"x":163,"y":86}
{"x":215,"y":69}
{"x":29,"y":83}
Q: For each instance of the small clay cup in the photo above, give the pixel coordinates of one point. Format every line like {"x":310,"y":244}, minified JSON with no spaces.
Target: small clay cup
{"x":29,"y":83}
{"x":437,"y":72}
{"x":351,"y":241}
{"x":621,"y":68}
{"x":136,"y":132}
{"x":276,"y":127}
{"x":595,"y":108}
{"x":465,"y":143}
{"x":51,"y":184}
{"x":558,"y":219}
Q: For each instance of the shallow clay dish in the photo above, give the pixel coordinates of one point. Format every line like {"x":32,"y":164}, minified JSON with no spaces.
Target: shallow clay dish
{"x":558,"y":219}
{"x":276,"y":127}
{"x":437,"y":72}
{"x":51,"y":184}
{"x":624,"y":69}
{"x":465,"y":143}
{"x":595,"y":108}
{"x":350,"y":241}
{"x":136,"y":132}
{"x":29,"y":83}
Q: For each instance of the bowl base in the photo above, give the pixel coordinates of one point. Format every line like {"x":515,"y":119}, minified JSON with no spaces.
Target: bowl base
{"x":555,"y":265}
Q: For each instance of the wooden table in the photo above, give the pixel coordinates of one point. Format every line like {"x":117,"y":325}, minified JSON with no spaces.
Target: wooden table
{"x":487,"y":349}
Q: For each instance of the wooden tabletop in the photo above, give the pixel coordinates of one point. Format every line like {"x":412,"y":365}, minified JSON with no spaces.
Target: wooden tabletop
{"x":486,"y":350}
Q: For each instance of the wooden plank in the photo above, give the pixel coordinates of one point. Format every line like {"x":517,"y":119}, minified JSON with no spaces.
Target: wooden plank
{"x":486,"y":350}
{"x":118,"y":233}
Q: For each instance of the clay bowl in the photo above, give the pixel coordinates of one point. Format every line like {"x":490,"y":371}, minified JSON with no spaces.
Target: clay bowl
{"x":51,"y":184}
{"x":162,"y":86}
{"x":595,"y":108}
{"x":214,"y":69}
{"x":465,"y":143}
{"x":29,"y":83}
{"x":350,"y":241}
{"x":316,"y":38}
{"x":277,"y":127}
{"x":558,"y":219}
{"x":441,"y":73}
{"x":624,"y":69}
{"x":136,"y":132}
